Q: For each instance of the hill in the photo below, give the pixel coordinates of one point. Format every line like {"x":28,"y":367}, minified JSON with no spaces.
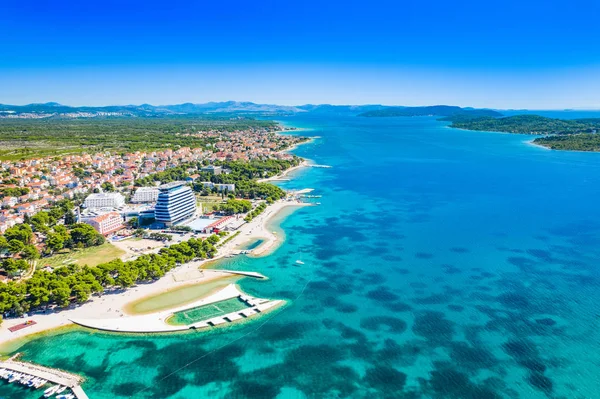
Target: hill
{"x":528,"y":124}
{"x":434,"y":110}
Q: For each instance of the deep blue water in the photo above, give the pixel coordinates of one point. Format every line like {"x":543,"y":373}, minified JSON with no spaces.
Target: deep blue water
{"x":440,"y":264}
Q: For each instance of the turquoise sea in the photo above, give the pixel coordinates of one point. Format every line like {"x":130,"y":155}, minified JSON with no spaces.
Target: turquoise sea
{"x":440,"y":264}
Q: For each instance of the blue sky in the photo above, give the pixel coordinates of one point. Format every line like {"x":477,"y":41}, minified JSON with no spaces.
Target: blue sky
{"x":504,"y":54}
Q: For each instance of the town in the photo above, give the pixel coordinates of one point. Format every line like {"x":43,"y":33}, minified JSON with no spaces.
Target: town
{"x":118,"y":194}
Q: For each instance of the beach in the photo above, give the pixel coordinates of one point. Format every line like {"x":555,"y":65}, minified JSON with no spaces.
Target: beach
{"x":112,"y":304}
{"x":285,"y":173}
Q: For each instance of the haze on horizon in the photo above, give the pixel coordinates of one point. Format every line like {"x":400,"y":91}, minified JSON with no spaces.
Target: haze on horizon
{"x":537,"y":55}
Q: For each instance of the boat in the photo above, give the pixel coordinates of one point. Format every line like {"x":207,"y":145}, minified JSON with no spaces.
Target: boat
{"x":40,"y":383}
{"x":13,"y":377}
{"x":67,"y":396}
{"x":299,"y":262}
{"x":51,"y":391}
{"x":61,"y":389}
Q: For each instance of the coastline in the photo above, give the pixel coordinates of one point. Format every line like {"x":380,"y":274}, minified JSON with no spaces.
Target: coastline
{"x":117,"y":303}
{"x":530,"y":142}
{"x":303,"y":164}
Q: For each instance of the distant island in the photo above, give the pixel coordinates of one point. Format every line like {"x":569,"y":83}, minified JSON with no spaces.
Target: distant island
{"x":434,"y":110}
{"x":562,"y":134}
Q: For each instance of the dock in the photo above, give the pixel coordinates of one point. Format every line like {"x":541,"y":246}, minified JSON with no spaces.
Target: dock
{"x":71,"y":381}
{"x":243,"y":273}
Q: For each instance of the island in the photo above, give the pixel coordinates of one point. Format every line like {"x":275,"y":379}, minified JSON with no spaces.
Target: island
{"x":434,"y":110}
{"x":561,"y":134}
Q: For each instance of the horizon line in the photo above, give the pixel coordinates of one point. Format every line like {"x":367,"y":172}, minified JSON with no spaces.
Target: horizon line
{"x":591,"y":109}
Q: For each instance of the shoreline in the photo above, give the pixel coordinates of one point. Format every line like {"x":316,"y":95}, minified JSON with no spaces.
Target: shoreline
{"x":115,"y":303}
{"x":283,"y":175}
{"x":531,"y":143}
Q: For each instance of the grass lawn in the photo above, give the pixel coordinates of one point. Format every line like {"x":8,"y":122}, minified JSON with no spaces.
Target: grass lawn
{"x":209,"y":202}
{"x":87,"y":256}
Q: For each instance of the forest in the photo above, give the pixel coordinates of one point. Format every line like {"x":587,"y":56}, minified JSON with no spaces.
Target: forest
{"x":571,"y":142}
{"x":527,"y":124}
{"x":29,"y":138}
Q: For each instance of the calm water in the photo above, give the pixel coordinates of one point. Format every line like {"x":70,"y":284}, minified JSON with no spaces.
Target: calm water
{"x":441,"y":264}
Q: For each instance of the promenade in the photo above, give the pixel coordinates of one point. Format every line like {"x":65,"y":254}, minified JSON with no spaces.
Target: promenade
{"x":157,"y":322}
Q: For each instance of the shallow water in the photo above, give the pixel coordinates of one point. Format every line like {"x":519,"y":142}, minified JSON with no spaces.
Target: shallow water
{"x":440,"y":264}
{"x":178,"y":297}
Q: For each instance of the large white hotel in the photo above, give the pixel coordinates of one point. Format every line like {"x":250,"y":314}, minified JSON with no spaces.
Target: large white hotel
{"x":176,"y":202}
{"x":104,"y":200}
{"x":145,"y":195}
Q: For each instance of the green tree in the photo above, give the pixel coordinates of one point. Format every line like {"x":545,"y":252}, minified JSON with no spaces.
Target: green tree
{"x":70,"y":218}
{"x":82,"y":292}
{"x":30,"y":252}
{"x":55,"y":242}
{"x":86,"y":235}
{"x":61,"y":294}
{"x":20,"y":232}
{"x":108,"y":187}
{"x":15,"y":246}
{"x":13,"y":266}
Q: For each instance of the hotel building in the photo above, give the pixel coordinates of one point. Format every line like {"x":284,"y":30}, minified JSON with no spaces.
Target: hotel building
{"x":107,"y":223}
{"x":176,"y":202}
{"x":145,"y":194}
{"x":104,"y":200}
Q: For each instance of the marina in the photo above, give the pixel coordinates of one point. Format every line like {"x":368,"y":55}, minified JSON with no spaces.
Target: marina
{"x":35,"y":376}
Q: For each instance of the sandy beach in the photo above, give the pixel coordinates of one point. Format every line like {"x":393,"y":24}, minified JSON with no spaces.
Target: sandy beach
{"x":303,"y":164}
{"x":111,"y":305}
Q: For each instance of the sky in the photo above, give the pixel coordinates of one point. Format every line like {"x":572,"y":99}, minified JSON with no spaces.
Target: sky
{"x":498,"y":54}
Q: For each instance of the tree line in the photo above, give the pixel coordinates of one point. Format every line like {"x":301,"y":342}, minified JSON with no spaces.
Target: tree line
{"x":75,"y":283}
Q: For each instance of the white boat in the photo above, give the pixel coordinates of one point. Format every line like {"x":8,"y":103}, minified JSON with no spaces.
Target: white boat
{"x":40,"y":382}
{"x":299,"y":262}
{"x":13,"y":377}
{"x":61,"y":389}
{"x":51,"y":391}
{"x":68,"y":396}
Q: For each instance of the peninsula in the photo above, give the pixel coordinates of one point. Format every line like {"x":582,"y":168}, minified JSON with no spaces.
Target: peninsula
{"x":561,"y":134}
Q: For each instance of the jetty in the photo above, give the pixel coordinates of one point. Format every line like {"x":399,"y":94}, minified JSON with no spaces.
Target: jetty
{"x":243,"y":273}
{"x":71,"y":381}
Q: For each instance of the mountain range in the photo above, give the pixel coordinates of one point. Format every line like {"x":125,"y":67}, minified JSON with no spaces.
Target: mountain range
{"x":56,"y":110}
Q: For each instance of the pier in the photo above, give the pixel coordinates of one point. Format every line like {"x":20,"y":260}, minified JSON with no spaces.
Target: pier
{"x":71,"y":381}
{"x":242,"y":273}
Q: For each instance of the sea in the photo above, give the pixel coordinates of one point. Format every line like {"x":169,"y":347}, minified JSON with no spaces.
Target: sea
{"x":438,"y":263}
